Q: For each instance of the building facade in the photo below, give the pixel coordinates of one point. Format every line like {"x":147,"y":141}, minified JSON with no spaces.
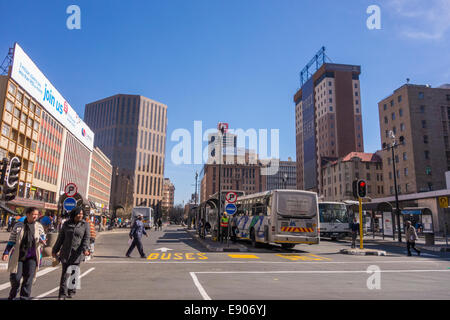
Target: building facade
{"x":285,"y":178}
{"x":168,"y":195}
{"x":338,"y":176}
{"x":131,"y":131}
{"x":328,"y":120}
{"x":421,"y":115}
{"x":100,"y":181}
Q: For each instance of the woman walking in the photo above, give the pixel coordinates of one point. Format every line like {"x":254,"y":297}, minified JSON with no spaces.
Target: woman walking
{"x":24,"y":253}
{"x":72,"y":243}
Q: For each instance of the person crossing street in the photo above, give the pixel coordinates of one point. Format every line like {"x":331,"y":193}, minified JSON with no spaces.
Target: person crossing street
{"x":136,"y":232}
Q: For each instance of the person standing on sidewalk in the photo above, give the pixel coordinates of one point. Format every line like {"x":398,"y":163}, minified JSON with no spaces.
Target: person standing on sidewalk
{"x":411,"y":237}
{"x":92,"y":236}
{"x":136,"y":232}
{"x":224,"y":221}
{"x":354,"y":227}
{"x":24,"y":253}
{"x":72,"y":243}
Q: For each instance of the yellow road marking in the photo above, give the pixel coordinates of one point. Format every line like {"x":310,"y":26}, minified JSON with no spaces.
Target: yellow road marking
{"x":176,"y":256}
{"x":243,"y":256}
{"x":297,"y":257}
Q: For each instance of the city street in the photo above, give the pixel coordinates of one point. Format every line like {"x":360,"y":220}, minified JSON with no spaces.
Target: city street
{"x":179,"y":268}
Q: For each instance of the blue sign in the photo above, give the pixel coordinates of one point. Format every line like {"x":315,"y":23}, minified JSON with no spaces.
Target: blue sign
{"x":69,"y":204}
{"x":230,"y":208}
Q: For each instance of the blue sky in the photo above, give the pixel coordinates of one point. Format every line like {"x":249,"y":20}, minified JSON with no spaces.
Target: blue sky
{"x":235,"y":61}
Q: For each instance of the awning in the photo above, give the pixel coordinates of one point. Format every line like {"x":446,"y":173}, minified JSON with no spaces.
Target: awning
{"x":4,"y":207}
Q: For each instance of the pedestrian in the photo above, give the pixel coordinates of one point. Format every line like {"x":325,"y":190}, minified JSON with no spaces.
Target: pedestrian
{"x":354,"y":226}
{"x":92,"y":237}
{"x":233,"y":229}
{"x":136,"y":234}
{"x":72,"y":243}
{"x":159,"y":224}
{"x":24,"y":253}
{"x":224,"y":227}
{"x":411,"y":237}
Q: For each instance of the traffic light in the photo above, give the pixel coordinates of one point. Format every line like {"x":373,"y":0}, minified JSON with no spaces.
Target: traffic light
{"x":359,"y":189}
{"x":4,"y":167}
{"x":12,"y":183}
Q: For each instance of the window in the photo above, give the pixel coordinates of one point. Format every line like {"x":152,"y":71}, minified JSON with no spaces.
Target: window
{"x":421,"y":95}
{"x":356,"y":86}
{"x":356,"y":93}
{"x":23,"y":117}
{"x":12,"y":89}
{"x":331,"y":109}
{"x":404,"y":156}
{"x":392,"y":103}
{"x":400,"y":112}
{"x":33,"y":146}
{"x":357,"y":110}
{"x":425,"y":139}
{"x":385,"y":120}
{"x":406,"y":172}
{"x":402,"y":127}
{"x":390,"y":175}
{"x":36,"y":125}
{"x":393,"y":115}
{"x":9,"y":106}
{"x":422,"y":109}
{"x":428,"y":171}
{"x":19,"y":95}
{"x":16,"y":113}
{"x":26,"y":101}
{"x":424,"y":124}
{"x":6,"y":129}
{"x":38,"y":111}
{"x":427,"y":154}
{"x":399,"y":98}
{"x":384,"y":106}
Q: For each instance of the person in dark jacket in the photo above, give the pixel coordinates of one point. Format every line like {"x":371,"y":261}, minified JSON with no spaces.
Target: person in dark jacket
{"x":137,"y":230}
{"x":72,"y":243}
{"x":354,"y":226}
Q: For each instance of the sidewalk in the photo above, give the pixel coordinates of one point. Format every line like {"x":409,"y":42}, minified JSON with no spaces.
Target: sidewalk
{"x":439,"y":246}
{"x":216,"y":246}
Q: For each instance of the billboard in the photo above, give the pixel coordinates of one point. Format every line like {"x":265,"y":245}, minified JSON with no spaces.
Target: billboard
{"x":309,"y":136}
{"x":30,"y":78}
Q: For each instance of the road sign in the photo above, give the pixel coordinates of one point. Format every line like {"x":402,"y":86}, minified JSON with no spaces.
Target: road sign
{"x":231,"y":197}
{"x":230,"y":208}
{"x":69,"y":204}
{"x":443,"y":202}
{"x":70,"y":189}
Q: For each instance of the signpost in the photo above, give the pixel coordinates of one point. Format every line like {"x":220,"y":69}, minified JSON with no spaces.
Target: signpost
{"x":69,"y":204}
{"x":230,"y":209}
{"x":70,"y":189}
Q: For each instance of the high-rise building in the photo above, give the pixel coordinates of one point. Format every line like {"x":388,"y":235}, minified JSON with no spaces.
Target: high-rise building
{"x":40,"y":128}
{"x":229,"y":145}
{"x":285,"y":178}
{"x":131,"y":131}
{"x":100,"y":181}
{"x":328,"y":119}
{"x":168,"y":195}
{"x":338,"y":176}
{"x":420,"y":114}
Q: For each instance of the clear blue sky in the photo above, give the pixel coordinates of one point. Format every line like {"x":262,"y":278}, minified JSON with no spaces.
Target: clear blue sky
{"x":236,"y":61}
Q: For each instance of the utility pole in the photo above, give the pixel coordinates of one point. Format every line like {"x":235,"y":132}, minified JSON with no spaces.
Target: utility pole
{"x":196,"y":177}
{"x":219,"y":213}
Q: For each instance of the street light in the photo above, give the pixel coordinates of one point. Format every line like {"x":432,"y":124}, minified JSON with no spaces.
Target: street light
{"x":392,"y":146}
{"x":285,"y":179}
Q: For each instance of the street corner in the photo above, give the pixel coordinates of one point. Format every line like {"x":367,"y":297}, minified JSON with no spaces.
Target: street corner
{"x":363,"y":252}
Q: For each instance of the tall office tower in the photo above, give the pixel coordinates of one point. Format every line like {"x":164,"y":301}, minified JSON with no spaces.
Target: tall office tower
{"x":132,"y":133}
{"x":327,"y":117}
{"x":421,"y":115}
{"x":285,"y":178}
{"x":168,"y":195}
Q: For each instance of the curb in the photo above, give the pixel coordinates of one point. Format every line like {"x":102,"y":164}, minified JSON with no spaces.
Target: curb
{"x":195,"y":236}
{"x":419,"y":246}
{"x":364,"y":252}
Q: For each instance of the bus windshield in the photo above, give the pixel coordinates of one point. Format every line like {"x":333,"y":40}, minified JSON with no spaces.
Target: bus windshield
{"x":296,"y":204}
{"x":333,"y":213}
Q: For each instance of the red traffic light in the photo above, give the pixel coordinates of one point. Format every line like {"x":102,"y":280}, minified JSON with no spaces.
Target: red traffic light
{"x":362,"y":184}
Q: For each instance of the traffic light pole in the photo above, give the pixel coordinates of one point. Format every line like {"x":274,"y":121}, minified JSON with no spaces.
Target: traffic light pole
{"x":397,"y":211}
{"x":361,"y":246}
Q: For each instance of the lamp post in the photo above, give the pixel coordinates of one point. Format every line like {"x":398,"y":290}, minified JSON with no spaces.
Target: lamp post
{"x":392,"y":146}
{"x":285,"y":179}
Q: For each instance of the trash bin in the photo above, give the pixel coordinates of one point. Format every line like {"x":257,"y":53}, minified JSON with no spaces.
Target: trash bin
{"x":429,"y":239}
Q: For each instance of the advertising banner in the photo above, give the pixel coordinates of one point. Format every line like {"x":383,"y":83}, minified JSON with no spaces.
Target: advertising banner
{"x":387,"y":224}
{"x":30,"y":78}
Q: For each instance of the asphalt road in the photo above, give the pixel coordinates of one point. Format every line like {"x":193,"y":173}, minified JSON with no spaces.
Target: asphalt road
{"x":178,"y":268}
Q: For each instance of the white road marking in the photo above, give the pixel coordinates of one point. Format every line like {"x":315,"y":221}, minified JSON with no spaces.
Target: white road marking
{"x":258,"y":262}
{"x":317,"y":271}
{"x":39,"y":273}
{"x":57,"y":288}
{"x":199,"y":286}
{"x":163,"y":249}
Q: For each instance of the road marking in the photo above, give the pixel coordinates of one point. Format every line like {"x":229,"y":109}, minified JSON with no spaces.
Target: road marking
{"x":317,"y":271}
{"x":177,"y":256}
{"x":163,"y":249}
{"x":296,"y":257}
{"x":199,"y":286}
{"x":57,"y":288}
{"x":243,"y":256}
{"x":38,"y":274}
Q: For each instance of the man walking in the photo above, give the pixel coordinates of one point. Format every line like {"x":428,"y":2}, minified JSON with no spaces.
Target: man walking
{"x":24,"y":246}
{"x":411,"y":237}
{"x":354,"y":226}
{"x":136,"y":234}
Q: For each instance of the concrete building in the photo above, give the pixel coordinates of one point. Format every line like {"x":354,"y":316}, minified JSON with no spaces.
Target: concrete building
{"x":100,"y":181}
{"x":131,"y":131}
{"x":44,"y":132}
{"x":168,"y":195}
{"x":420,"y":114}
{"x":239,"y":174}
{"x":285,"y":178}
{"x":327,"y":120}
{"x":338,"y":176}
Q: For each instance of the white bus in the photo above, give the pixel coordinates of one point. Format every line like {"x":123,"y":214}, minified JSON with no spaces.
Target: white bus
{"x":147,"y":213}
{"x":286,"y":217}
{"x":334,"y":220}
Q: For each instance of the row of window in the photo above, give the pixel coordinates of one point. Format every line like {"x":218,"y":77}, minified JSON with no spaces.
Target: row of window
{"x":145,"y":183}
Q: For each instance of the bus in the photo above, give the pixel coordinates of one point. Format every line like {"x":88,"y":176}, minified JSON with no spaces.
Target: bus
{"x":285,"y":217}
{"x":334,"y":220}
{"x":147,"y":212}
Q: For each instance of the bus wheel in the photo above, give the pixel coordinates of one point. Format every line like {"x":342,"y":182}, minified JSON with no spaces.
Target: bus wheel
{"x":253,"y":238}
{"x":287,"y":245}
